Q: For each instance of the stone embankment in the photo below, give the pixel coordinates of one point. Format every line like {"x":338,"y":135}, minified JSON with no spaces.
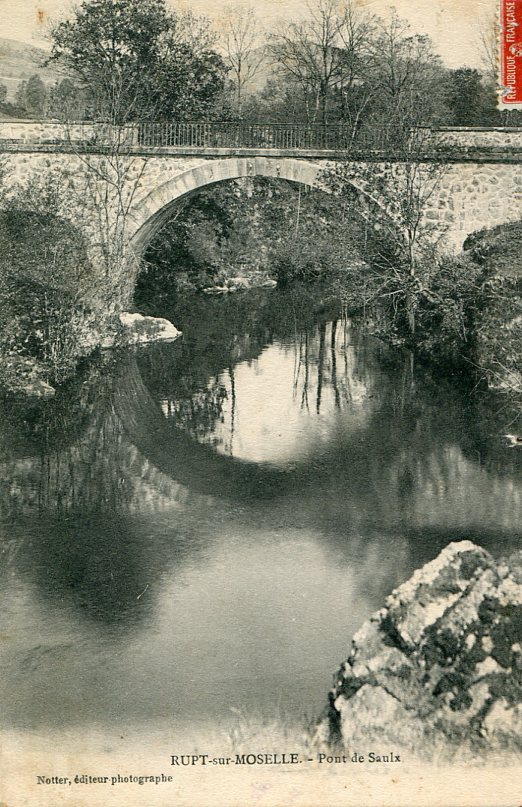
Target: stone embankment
{"x":438,"y":670}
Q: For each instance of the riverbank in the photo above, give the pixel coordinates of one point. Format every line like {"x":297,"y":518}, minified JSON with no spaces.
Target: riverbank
{"x":499,"y":335}
{"x":467,"y":310}
{"x":27,"y":377}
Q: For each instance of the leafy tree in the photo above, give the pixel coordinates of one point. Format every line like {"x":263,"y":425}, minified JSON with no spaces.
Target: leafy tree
{"x":471,"y":102}
{"x":20,"y":99}
{"x":44,"y":272}
{"x":138,"y":60}
{"x":3,"y":93}
{"x":67,"y":100}
{"x":36,"y":96}
{"x":190,"y":86}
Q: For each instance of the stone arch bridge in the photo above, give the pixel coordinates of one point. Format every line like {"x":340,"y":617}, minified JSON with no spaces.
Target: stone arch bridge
{"x":141,"y":182}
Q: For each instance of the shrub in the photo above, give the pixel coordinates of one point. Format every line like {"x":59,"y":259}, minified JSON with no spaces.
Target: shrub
{"x":43,"y":273}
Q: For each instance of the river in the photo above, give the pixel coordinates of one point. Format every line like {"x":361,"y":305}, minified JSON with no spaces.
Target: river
{"x":193,"y":531}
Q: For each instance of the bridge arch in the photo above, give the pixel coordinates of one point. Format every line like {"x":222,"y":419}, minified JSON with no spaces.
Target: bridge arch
{"x":149,"y":214}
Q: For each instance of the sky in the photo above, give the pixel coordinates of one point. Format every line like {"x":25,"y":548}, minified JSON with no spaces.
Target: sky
{"x":452,"y":24}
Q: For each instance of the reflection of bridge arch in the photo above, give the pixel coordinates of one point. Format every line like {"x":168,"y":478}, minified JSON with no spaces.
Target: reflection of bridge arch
{"x":179,"y":456}
{"x":151,"y":212}
{"x":364,"y":475}
{"x":448,"y":482}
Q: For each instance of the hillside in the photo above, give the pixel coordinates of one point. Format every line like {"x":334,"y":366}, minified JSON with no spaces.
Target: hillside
{"x":19,"y":60}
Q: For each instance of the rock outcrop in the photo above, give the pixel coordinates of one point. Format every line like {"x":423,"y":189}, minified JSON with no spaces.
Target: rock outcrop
{"x":252,"y":280}
{"x":139,"y":329}
{"x":440,"y":666}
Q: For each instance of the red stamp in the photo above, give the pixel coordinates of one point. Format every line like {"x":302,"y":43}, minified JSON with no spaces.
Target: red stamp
{"x":511,"y":53}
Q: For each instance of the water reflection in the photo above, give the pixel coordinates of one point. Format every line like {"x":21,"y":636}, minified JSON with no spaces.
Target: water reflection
{"x":237,"y":502}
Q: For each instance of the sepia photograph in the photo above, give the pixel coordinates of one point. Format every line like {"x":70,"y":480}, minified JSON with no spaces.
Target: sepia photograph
{"x":260,"y":403}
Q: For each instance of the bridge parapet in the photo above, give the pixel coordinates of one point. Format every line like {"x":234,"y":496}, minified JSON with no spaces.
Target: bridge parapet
{"x":196,"y":135}
{"x":239,"y":138}
{"x":479,"y":137}
{"x":49,"y":132}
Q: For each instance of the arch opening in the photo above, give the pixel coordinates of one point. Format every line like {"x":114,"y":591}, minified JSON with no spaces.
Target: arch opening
{"x":162,"y":219}
{"x":152,"y":212}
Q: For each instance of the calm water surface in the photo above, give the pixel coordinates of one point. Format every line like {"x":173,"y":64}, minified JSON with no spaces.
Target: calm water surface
{"x":197,"y":530}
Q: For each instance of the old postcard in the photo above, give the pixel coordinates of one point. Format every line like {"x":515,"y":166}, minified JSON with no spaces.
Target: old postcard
{"x":260,"y":403}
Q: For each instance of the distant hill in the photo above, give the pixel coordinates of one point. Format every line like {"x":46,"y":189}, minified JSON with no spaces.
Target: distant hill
{"x":18,"y":61}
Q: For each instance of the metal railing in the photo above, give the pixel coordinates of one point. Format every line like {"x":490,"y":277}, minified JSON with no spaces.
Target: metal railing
{"x":283,"y":136}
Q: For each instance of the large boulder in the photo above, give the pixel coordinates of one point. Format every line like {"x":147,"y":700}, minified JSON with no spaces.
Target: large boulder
{"x":139,"y":329}
{"x":440,"y":666}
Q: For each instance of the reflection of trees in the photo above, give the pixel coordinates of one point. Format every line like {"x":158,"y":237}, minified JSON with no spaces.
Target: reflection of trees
{"x":325,"y":363}
{"x":196,"y":380}
{"x":197,"y":390}
{"x":77,"y":515}
{"x":70,"y":454}
{"x":395,"y":463}
{"x":302,"y":367}
{"x":197,"y":410}
{"x":87,"y":475}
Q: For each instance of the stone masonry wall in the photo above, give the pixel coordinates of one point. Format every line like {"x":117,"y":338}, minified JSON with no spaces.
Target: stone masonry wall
{"x":473,"y":196}
{"x":467,"y":137}
{"x":40,"y":132}
{"x":469,"y":196}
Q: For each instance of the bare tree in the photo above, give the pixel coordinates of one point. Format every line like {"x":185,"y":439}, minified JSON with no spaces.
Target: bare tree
{"x":244,"y":46}
{"x":100,"y":189}
{"x":487,"y":41}
{"x":327,"y":53}
{"x":356,"y":33}
{"x":396,"y":197}
{"x":196,"y":31}
{"x":406,"y":74}
{"x":308,"y":52}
